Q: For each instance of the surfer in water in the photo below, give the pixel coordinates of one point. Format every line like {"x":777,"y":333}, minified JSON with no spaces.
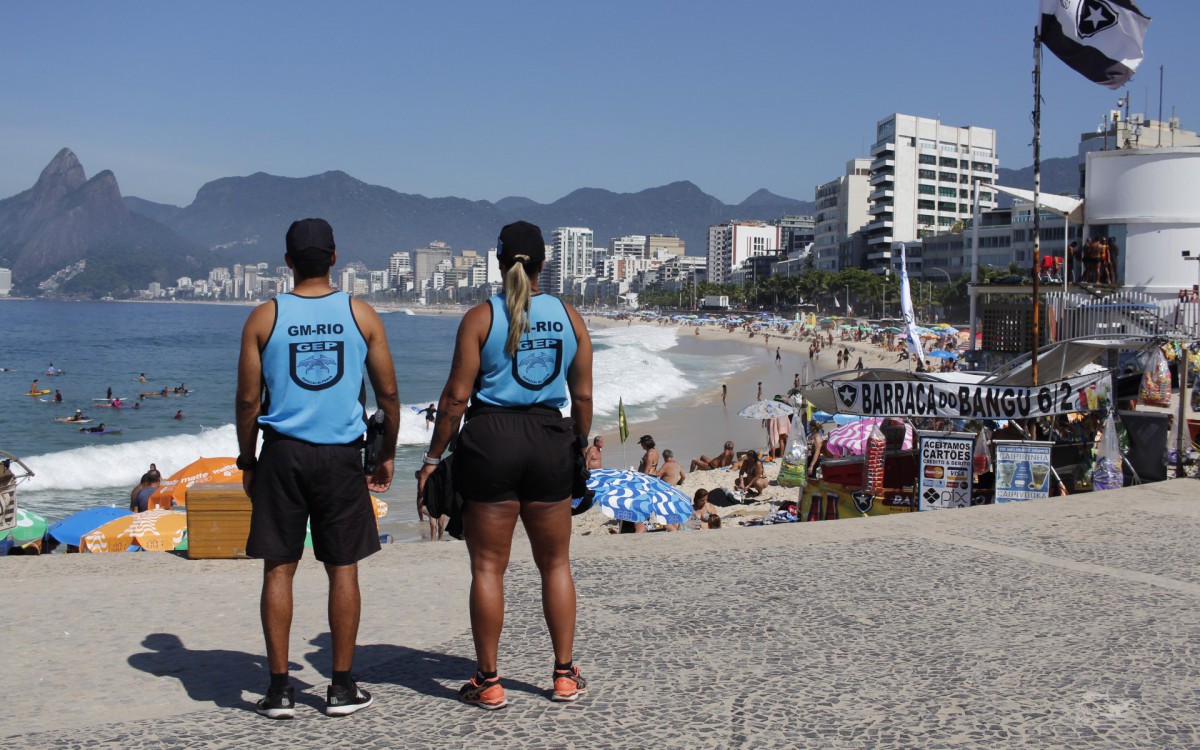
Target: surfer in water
{"x":430,"y":416}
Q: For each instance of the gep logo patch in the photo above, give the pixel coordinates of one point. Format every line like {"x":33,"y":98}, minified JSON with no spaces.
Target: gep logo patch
{"x":316,"y":365}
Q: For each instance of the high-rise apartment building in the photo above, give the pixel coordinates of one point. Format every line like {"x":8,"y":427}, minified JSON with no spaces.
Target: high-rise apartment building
{"x":732,"y":242}
{"x":5,"y":281}
{"x":399,"y":265}
{"x":572,"y":257}
{"x":795,"y":234}
{"x":427,"y":259}
{"x":842,"y":210}
{"x":922,"y":176}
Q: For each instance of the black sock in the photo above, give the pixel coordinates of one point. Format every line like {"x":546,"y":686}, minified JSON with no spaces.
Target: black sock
{"x":564,"y":667}
{"x":486,"y":675}
{"x":343,"y":680}
{"x":279,"y":681}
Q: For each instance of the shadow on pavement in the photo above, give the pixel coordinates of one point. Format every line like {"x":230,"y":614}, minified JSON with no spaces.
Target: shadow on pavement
{"x":426,"y":672}
{"x":216,"y":676}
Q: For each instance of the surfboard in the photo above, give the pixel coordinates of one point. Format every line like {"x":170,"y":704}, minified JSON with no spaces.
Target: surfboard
{"x":68,"y":420}
{"x":39,"y":393}
{"x":107,"y":431}
{"x":105,"y":399}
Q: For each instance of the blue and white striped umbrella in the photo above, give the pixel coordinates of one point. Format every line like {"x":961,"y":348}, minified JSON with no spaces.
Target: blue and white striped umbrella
{"x":633,"y":496}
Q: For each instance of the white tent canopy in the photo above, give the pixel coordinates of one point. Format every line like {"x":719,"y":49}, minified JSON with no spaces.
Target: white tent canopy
{"x":1063,"y":205}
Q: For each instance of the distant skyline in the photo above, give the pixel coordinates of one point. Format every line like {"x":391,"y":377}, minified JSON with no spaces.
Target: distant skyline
{"x":536,"y":99}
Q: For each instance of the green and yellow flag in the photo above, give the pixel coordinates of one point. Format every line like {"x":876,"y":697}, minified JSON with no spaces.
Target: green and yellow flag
{"x":622,"y":425}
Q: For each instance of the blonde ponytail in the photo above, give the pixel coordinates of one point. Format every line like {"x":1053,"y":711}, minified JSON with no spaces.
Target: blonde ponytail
{"x":516,"y":298}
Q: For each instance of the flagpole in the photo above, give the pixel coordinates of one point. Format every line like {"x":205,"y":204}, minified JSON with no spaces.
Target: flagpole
{"x":1037,"y":186}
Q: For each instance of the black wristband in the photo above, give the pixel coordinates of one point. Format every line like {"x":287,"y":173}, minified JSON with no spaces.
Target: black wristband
{"x":247,"y":464}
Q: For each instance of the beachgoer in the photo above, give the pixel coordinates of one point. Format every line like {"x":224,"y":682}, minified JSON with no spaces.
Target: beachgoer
{"x":750,"y":479}
{"x":796,"y":381}
{"x":859,"y":366}
{"x":816,"y":442}
{"x":178,"y":414}
{"x":519,"y":358}
{"x":310,"y":468}
{"x":97,"y":428}
{"x":725,"y":458}
{"x":437,"y":526}
{"x":50,"y":369}
{"x":649,"y":462}
{"x":108,"y":395}
{"x":778,"y":357}
{"x":671,"y":472}
{"x":595,"y":454}
{"x":139,"y":497}
{"x":430,"y":413}
{"x":724,"y":392}
{"x":142,"y":378}
{"x":117,"y":403}
{"x":57,"y":396}
{"x":77,"y":416}
{"x":702,"y":509}
{"x":33,"y":388}
{"x":759,"y":397}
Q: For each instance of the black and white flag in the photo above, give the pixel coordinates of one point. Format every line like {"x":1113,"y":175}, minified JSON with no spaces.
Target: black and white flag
{"x":1101,"y":39}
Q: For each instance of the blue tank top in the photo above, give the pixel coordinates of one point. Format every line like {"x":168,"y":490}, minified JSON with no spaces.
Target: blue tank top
{"x":313,"y":366}
{"x":538,"y":374}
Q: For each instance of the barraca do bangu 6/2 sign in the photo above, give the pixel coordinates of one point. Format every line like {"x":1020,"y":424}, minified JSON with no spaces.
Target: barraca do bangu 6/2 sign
{"x":924,"y":398}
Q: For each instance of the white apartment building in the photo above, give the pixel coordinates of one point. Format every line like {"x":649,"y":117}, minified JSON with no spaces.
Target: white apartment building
{"x":842,"y":209}
{"x":572,"y":257}
{"x":631,"y":246}
{"x":5,"y":281}
{"x":732,"y":242}
{"x":922,"y":174}
{"x":399,"y":266}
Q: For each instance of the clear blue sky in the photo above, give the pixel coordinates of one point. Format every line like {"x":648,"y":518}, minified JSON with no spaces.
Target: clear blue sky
{"x":488,"y":99}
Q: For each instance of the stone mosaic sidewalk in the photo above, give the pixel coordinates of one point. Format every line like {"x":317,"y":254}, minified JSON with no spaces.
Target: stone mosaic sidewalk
{"x":1069,"y":623}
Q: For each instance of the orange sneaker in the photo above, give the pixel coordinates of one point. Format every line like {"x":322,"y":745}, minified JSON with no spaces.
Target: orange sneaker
{"x":568,"y":686}
{"x":487,"y":694}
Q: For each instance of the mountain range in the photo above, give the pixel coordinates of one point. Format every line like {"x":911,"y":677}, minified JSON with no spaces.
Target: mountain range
{"x":128,"y":242}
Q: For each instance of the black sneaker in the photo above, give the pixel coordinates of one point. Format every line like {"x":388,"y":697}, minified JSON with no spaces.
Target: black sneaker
{"x":342,"y":702}
{"x":279,"y":704}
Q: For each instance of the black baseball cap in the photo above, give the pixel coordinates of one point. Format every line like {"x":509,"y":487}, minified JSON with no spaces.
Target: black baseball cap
{"x":310,"y":239}
{"x":521,"y":238}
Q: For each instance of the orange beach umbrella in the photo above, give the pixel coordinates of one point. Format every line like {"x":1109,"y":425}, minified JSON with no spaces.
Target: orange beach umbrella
{"x":154,"y":531}
{"x":200,"y":471}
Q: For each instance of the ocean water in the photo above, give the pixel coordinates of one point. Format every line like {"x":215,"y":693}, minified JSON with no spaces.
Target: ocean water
{"x":108,"y":344}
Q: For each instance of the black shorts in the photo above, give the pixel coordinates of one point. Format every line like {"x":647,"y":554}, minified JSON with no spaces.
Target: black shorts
{"x":295,"y":481}
{"x":515,"y":455}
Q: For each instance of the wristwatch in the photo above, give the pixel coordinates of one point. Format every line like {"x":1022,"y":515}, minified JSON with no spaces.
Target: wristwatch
{"x":247,"y":464}
{"x":430,"y":460}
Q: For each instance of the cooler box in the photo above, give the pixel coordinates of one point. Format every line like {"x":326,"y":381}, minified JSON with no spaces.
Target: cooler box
{"x":218,"y":520}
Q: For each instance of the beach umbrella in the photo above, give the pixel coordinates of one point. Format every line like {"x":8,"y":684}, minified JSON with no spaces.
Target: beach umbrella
{"x":633,"y":496}
{"x":941,"y":354}
{"x":766,"y":410}
{"x":30,"y":528}
{"x":892,"y":329}
{"x":154,"y":531}
{"x":851,"y":439}
{"x":73,"y":528}
{"x":200,"y":471}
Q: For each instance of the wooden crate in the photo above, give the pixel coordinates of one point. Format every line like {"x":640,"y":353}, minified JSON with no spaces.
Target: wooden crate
{"x":218,"y":517}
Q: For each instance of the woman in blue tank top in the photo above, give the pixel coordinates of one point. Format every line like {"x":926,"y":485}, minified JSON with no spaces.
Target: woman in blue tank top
{"x":519,"y":358}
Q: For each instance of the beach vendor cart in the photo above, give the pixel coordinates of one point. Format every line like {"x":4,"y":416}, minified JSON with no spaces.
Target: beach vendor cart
{"x":936,"y":470}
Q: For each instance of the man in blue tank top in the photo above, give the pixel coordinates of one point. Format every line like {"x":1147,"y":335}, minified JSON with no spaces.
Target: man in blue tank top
{"x":300,"y":381}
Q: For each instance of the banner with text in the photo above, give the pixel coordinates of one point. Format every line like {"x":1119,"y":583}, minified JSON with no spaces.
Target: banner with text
{"x":924,"y":398}
{"x":1022,"y":470}
{"x":944,"y":471}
